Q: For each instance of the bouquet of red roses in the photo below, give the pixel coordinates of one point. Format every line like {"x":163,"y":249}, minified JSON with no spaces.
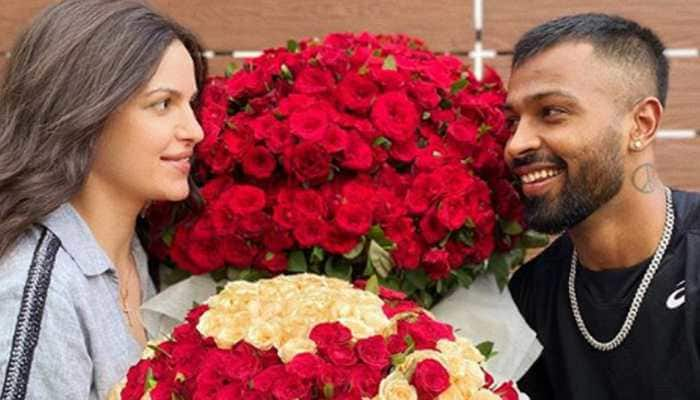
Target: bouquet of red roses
{"x":356,"y":157}
{"x":311,"y":337}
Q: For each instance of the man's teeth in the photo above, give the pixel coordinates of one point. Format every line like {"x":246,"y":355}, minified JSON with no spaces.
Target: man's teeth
{"x":539,"y":175}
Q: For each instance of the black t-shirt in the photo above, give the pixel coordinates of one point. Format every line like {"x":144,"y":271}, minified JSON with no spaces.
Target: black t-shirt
{"x":659,"y":359}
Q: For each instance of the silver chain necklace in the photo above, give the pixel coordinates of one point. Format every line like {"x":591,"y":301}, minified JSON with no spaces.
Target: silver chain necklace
{"x":638,"y":296}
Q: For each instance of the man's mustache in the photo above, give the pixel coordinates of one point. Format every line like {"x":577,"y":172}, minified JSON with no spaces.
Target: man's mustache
{"x":531,"y":158}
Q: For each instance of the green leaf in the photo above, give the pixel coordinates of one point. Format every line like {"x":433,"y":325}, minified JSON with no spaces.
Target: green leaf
{"x":418,"y":277}
{"x":512,"y":228}
{"x":398,"y":359}
{"x":486,"y":349}
{"x":340,"y":269}
{"x":317,"y":255}
{"x":376,"y":233}
{"x":357,"y":250}
{"x":372,"y":285}
{"x":297,"y":262}
{"x":389,"y":63}
{"x":328,"y":390}
{"x":363,"y":70}
{"x":410,"y":343}
{"x":532,"y":239}
{"x":484,"y":129}
{"x":220,"y":274}
{"x":466,"y":236}
{"x":498,"y":265}
{"x":168,"y":236}
{"x":445,"y":104}
{"x":230,"y":69}
{"x":425,"y":299}
{"x":286,"y":73}
{"x":150,"y":381}
{"x":252,"y":275}
{"x":459,"y":85}
{"x":382,"y":141}
{"x":292,"y":45}
{"x":380,"y":258}
{"x":464,"y":277}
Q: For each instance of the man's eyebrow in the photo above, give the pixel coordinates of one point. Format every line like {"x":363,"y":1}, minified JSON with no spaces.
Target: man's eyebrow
{"x":543,"y":95}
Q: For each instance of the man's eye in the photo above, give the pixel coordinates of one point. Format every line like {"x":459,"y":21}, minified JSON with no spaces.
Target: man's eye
{"x":512,"y":123}
{"x":552,"y":112}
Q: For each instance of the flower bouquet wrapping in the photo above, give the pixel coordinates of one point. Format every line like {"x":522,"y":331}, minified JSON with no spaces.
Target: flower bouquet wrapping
{"x":356,"y":157}
{"x":311,"y":337}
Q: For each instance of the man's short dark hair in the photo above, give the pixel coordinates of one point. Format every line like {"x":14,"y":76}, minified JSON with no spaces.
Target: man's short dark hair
{"x":613,"y":38}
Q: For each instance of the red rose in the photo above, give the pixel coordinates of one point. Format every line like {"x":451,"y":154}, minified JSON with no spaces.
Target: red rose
{"x":356,"y":92}
{"x":309,"y":162}
{"x":278,"y":239}
{"x":274,"y":262}
{"x":291,"y":388}
{"x":237,"y":251}
{"x":463,"y":130}
{"x":259,"y":163}
{"x":357,"y":155}
{"x":395,"y":115}
{"x":268,"y":378}
{"x":338,"y":241}
{"x":309,"y":204}
{"x":373,"y":352}
{"x":408,"y":253}
{"x":313,"y":81}
{"x":329,"y":334}
{"x":136,"y":381}
{"x":353,"y":218}
{"x":365,"y":382}
{"x":305,"y":365}
{"x":430,"y":379}
{"x":244,"y":199}
{"x":431,"y":229}
{"x":398,"y":307}
{"x":396,"y":343}
{"x":452,"y":212}
{"x":309,"y":124}
{"x":336,"y":139}
{"x":506,"y":391}
{"x":196,"y":255}
{"x":310,"y":232}
{"x":425,"y":94}
{"x":342,"y":355}
{"x":437,"y":264}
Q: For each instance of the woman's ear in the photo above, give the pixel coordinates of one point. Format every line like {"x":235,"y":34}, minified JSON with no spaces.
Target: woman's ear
{"x":646,"y":117}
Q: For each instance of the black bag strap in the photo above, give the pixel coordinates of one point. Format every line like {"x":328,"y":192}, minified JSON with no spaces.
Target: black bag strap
{"x":31,"y":311}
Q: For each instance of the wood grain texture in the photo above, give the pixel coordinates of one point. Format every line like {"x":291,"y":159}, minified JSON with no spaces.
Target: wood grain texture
{"x":16,"y":16}
{"x":254,"y":25}
{"x":676,"y":21}
{"x":683,"y":96}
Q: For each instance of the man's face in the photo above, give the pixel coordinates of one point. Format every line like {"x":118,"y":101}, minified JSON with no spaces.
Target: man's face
{"x":568,"y":134}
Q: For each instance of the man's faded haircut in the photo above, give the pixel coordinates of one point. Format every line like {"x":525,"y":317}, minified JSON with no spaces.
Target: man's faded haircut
{"x":637,"y":50}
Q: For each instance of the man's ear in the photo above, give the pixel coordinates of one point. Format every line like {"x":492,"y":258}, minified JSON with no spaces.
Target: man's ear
{"x":646,"y":118}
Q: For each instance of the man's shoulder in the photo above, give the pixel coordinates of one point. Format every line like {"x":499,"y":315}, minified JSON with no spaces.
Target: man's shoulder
{"x":552,"y":258}
{"x":687,"y":205}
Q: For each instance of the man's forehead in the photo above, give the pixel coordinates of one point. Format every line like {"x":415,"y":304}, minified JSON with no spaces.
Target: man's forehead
{"x":568,"y":69}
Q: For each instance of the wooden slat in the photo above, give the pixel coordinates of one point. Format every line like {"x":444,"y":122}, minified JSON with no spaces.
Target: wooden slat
{"x":15,"y":16}
{"x":678,"y":162}
{"x":253,"y":25}
{"x":676,"y":21}
{"x":683,"y":96}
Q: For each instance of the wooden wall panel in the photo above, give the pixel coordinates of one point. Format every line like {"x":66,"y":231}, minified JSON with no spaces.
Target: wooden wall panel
{"x":683,"y":96}
{"x":254,"y":25}
{"x":15,"y":15}
{"x":676,"y":21}
{"x":678,"y":162}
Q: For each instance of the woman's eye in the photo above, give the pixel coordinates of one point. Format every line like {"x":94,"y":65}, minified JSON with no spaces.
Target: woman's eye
{"x":512,"y":123}
{"x":162,"y":105}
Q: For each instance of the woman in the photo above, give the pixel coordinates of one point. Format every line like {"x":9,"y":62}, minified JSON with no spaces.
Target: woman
{"x":96,"y":121}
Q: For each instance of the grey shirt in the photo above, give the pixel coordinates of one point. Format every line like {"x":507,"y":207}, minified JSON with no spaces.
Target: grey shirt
{"x":84,"y":346}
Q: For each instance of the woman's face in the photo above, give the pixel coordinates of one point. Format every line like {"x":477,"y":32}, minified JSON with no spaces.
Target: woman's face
{"x":144,"y":151}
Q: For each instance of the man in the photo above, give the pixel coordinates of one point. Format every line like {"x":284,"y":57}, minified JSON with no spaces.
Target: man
{"x":614,"y":300}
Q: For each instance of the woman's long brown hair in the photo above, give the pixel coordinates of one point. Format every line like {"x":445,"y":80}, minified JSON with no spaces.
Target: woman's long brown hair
{"x":75,"y":65}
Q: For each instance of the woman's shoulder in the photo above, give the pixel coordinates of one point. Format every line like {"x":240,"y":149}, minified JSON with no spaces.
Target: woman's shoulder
{"x":15,"y":266}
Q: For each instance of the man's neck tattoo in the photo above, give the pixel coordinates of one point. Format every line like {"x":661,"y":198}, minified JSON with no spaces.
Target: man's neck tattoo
{"x":644,"y":178}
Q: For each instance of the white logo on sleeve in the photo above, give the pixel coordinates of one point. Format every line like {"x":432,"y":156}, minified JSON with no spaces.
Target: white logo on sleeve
{"x":677,"y":298}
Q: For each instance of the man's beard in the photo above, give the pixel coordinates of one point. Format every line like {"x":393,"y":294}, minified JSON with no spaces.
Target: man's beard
{"x":599,"y":179}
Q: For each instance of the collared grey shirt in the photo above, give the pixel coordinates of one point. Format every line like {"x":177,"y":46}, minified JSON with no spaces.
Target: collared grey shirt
{"x":85,"y":346}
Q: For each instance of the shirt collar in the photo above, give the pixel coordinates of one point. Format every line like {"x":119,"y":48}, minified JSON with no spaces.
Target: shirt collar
{"x":77,"y":240}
